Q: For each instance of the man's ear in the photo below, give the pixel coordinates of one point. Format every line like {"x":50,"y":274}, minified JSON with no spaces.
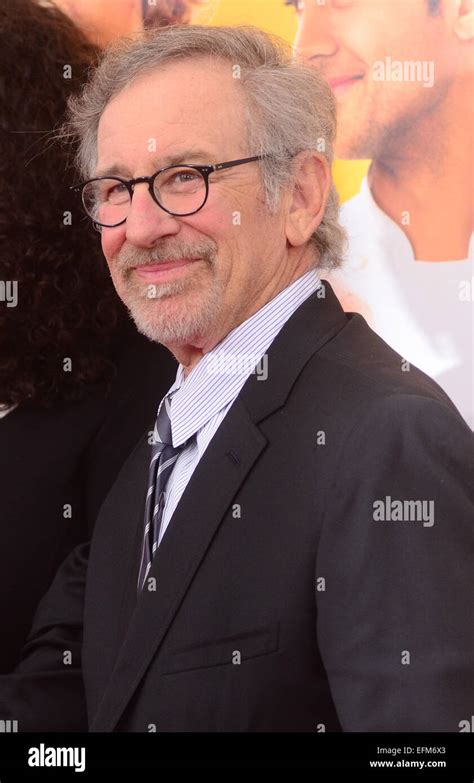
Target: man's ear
{"x":464,"y":22}
{"x":308,"y":198}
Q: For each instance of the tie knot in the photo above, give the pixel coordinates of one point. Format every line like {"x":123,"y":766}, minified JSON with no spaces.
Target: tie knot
{"x":162,"y":431}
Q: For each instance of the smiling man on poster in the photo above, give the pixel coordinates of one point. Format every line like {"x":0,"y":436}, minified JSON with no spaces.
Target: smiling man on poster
{"x":403,"y":77}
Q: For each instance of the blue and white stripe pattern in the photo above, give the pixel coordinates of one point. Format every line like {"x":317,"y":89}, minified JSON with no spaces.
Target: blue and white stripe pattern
{"x":202,"y":399}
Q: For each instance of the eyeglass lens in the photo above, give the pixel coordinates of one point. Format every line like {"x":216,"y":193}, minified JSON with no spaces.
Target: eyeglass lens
{"x":180,"y":189}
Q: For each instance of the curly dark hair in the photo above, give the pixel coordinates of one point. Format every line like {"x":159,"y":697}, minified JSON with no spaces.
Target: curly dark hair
{"x":67,"y":307}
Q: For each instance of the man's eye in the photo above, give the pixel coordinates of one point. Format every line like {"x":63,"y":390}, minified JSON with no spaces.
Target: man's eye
{"x":118,"y":188}
{"x":298,"y":5}
{"x":114,"y":193}
{"x":185,"y":176}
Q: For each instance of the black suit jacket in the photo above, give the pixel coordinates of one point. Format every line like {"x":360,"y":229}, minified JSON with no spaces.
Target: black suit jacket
{"x":281,"y":604}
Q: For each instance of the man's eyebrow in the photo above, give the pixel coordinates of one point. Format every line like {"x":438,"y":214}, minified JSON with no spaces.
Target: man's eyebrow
{"x":190,"y":156}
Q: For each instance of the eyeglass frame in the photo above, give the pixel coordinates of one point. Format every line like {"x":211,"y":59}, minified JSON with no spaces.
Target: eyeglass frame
{"x":205,"y":171}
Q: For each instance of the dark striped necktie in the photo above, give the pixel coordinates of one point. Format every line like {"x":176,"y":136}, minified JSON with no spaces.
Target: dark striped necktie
{"x":163,"y":457}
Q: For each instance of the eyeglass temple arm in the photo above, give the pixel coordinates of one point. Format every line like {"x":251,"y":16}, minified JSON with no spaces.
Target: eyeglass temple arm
{"x":231,"y":163}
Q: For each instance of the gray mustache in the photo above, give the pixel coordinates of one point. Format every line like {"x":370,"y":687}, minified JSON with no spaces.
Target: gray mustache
{"x":135,"y":260}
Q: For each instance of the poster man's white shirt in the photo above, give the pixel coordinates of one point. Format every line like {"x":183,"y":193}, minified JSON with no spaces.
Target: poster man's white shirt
{"x":422,"y":309}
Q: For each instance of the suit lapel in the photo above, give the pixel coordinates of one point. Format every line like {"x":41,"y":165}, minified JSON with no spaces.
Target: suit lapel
{"x":234,"y":449}
{"x":215,"y":481}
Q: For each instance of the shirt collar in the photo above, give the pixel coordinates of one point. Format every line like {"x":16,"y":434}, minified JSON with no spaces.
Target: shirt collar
{"x":220,"y":374}
{"x":391,"y":234}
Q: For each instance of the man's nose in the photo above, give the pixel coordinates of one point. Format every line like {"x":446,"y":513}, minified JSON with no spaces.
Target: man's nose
{"x":315,"y":39}
{"x":146,"y":220}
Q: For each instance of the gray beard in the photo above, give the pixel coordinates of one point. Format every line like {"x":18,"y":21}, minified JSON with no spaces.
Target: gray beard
{"x":195,"y":320}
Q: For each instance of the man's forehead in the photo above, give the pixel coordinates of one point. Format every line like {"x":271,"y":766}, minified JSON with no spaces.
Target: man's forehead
{"x":187,"y":154}
{"x":163,"y":108}
{"x":201,"y":83}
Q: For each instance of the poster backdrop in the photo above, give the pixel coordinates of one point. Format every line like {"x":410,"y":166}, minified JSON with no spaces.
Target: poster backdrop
{"x":402,"y":72}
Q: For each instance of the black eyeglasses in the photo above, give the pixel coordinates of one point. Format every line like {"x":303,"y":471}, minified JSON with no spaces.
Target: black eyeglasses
{"x":180,"y":190}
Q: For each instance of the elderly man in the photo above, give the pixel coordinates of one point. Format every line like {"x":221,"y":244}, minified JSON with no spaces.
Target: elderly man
{"x":289,"y":547}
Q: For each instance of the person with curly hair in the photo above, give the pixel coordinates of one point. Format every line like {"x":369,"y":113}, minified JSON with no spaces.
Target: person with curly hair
{"x":71,"y":362}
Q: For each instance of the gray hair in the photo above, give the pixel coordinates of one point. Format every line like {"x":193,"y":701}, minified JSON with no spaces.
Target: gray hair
{"x":289,"y":106}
